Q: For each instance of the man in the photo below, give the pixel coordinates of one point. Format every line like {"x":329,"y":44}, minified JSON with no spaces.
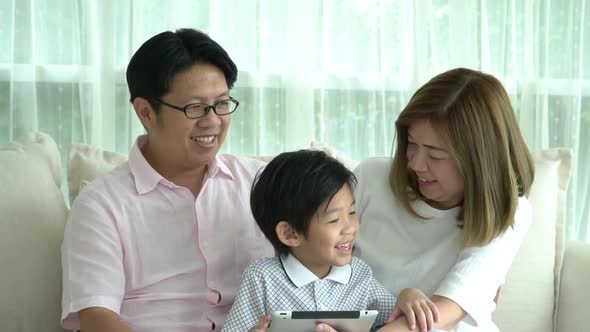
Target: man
{"x":160,"y":243}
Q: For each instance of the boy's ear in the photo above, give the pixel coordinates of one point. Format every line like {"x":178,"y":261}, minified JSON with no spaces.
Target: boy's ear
{"x":287,"y":235}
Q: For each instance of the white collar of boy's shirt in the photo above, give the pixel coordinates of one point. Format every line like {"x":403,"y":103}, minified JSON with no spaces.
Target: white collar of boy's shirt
{"x":301,"y":275}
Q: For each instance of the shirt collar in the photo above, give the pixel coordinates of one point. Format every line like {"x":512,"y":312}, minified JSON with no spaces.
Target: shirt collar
{"x":301,"y":275}
{"x":146,"y":177}
{"x":431,"y":213}
{"x":219,"y":167}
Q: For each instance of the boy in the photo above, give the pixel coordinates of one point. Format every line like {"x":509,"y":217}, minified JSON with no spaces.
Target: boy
{"x":303,"y":203}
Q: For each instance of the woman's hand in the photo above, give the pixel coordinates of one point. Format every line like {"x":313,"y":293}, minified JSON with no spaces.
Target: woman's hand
{"x":416,"y":306}
{"x":262,"y":325}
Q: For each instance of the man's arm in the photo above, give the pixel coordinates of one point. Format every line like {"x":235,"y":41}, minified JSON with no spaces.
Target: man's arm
{"x":92,"y":260}
{"x":97,"y":319}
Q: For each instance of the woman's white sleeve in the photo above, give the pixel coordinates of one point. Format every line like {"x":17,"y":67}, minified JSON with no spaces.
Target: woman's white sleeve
{"x":479,"y":271}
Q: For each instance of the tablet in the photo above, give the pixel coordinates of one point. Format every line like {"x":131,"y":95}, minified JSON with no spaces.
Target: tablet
{"x":306,"y":321}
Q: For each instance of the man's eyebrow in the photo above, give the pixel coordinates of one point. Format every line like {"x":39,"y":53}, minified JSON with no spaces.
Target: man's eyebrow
{"x":226,"y":93}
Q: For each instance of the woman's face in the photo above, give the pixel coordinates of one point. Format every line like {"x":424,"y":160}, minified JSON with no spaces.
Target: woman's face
{"x":438,"y":176}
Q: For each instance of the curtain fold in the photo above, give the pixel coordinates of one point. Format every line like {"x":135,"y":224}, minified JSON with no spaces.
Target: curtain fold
{"x":310,"y":70}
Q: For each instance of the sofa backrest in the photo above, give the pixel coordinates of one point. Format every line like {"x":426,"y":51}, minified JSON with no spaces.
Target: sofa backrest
{"x":527,"y":299}
{"x":32,"y":218}
{"x":33,"y":214}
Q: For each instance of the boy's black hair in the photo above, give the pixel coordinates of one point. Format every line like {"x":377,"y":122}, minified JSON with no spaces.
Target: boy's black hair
{"x":292,"y":187}
{"x":154,"y":65}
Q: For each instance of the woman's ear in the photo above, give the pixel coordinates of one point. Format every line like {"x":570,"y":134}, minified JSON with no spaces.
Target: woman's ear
{"x":144,"y":112}
{"x":287,"y":235}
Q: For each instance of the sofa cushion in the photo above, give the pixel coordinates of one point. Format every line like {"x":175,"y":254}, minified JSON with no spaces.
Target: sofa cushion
{"x":33,"y":213}
{"x":575,"y":292}
{"x":526,"y":302}
{"x":86,"y":162}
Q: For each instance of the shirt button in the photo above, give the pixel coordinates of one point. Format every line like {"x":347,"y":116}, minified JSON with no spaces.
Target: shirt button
{"x":213,"y":297}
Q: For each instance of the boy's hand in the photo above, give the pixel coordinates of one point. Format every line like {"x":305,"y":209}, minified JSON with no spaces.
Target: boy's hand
{"x":416,"y":307}
{"x":323,"y":327}
{"x":262,"y":325}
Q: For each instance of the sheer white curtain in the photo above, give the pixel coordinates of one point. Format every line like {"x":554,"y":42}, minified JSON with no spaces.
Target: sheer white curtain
{"x":336,"y":71}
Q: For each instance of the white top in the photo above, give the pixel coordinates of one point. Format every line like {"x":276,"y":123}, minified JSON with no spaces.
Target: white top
{"x":147,"y":249}
{"x":273,"y":284}
{"x":406,"y":251}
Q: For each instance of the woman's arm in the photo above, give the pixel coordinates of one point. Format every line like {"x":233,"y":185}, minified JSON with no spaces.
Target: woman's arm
{"x":450,"y":313}
{"x":399,"y":325}
{"x":474,"y":280}
{"x":417,"y":308}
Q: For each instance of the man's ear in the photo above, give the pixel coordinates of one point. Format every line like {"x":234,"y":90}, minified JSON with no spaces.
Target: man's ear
{"x":145,"y":113}
{"x":287,"y":235}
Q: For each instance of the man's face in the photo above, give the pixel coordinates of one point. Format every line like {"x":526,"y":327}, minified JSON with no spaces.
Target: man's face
{"x":192,"y":142}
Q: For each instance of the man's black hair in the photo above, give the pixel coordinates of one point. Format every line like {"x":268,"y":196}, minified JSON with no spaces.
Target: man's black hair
{"x":154,"y":65}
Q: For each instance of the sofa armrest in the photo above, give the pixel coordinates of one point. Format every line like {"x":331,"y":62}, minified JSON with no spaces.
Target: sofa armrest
{"x":574,"y":295}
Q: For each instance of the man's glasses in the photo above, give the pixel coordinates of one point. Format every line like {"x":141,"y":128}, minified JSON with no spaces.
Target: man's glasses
{"x":199,"y":110}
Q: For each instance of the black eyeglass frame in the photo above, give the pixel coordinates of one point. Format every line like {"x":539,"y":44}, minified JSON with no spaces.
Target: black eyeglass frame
{"x":206,"y":108}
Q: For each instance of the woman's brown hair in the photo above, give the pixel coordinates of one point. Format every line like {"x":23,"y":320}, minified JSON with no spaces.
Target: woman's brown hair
{"x":471,"y":112}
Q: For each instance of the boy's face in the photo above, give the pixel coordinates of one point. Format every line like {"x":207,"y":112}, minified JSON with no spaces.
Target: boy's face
{"x":331,"y":235}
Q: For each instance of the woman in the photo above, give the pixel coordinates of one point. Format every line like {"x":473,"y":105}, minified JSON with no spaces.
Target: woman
{"x":447,"y":215}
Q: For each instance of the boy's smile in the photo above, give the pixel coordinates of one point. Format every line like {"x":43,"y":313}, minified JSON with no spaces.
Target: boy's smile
{"x":345,"y":248}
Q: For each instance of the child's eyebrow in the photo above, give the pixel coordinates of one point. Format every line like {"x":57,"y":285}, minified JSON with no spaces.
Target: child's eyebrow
{"x":328,"y":211}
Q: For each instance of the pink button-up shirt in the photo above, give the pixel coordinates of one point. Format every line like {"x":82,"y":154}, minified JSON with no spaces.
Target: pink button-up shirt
{"x":145,"y":248}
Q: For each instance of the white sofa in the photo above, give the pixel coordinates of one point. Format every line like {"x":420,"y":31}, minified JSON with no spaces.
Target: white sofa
{"x":546,"y":290}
